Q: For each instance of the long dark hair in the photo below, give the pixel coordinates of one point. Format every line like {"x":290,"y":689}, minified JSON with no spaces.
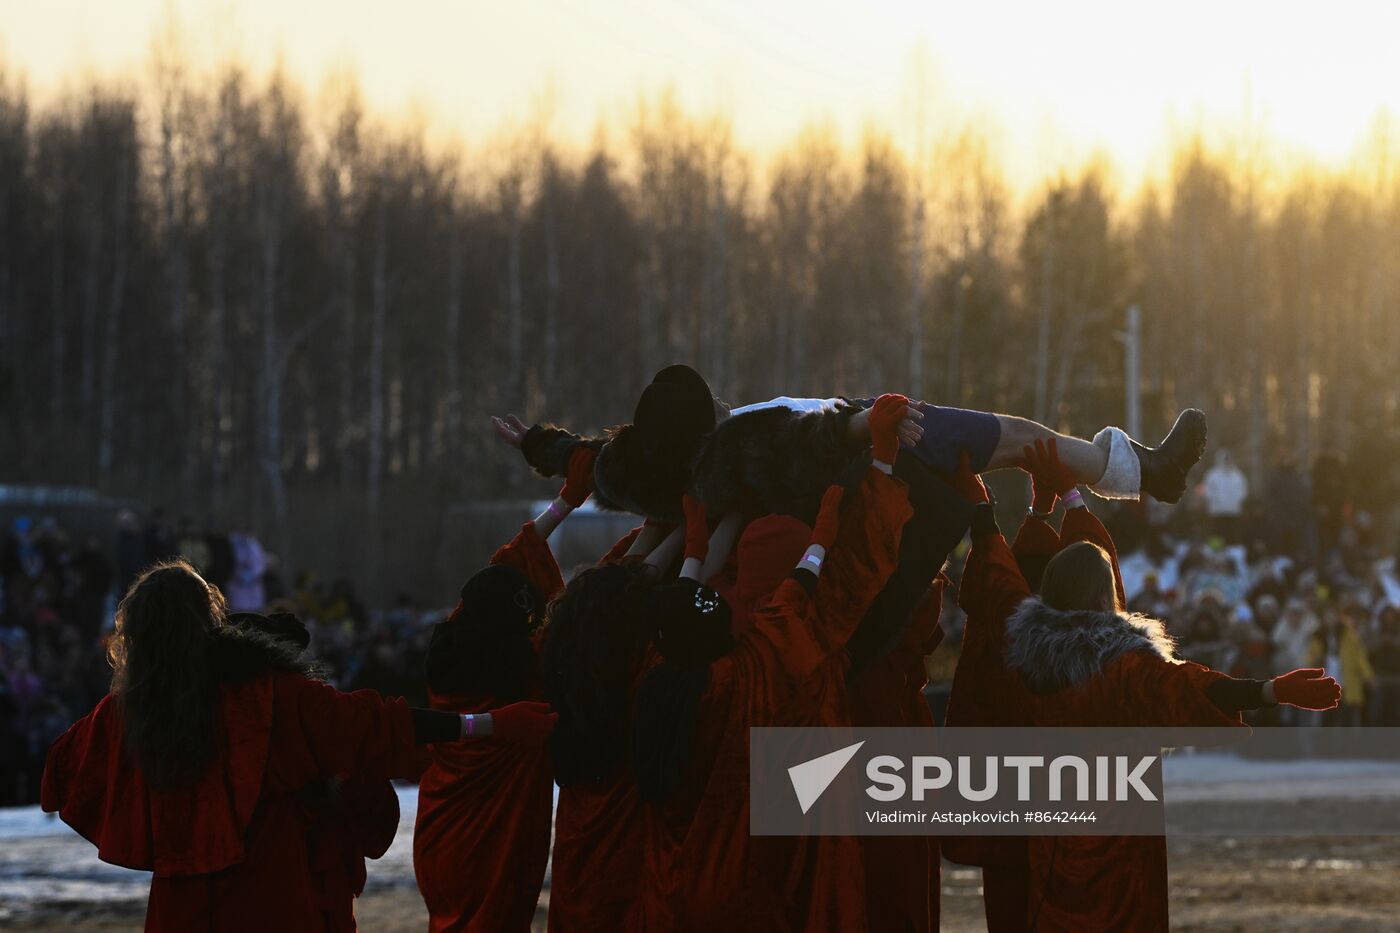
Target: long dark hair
{"x":692,"y":628}
{"x":592,"y":652}
{"x":485,"y":646}
{"x":163,"y":671}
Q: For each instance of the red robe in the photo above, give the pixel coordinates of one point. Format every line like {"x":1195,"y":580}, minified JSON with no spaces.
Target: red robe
{"x":987,"y":694}
{"x":229,"y":852}
{"x":703,"y":870}
{"x":481,"y":839}
{"x":1079,"y":884}
{"x":1102,"y":883}
{"x":597,"y":855}
{"x":902,"y":873}
{"x":359,"y":822}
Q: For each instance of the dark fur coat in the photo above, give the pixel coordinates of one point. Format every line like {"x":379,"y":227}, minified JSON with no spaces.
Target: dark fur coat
{"x":770,"y":461}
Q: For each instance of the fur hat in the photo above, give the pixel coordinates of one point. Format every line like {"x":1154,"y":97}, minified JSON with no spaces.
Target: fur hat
{"x":677,"y":404}
{"x":645,"y":467}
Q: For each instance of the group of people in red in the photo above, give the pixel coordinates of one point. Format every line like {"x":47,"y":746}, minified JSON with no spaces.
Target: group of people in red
{"x":788,"y":573}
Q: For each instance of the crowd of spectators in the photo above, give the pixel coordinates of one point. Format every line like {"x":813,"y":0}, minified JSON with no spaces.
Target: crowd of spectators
{"x":1254,"y":591}
{"x":1245,"y":590}
{"x":58,"y":596}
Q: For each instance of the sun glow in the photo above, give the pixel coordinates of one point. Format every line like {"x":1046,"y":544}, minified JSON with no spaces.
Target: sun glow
{"x":1055,"y":83}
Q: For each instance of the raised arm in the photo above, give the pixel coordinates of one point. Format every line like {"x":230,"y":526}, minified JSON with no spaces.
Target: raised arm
{"x":1037,"y":540}
{"x":529,"y":551}
{"x":992,"y":584}
{"x":1079,"y":524}
{"x":815,"y":611}
{"x":578,"y":486}
{"x":547,"y":449}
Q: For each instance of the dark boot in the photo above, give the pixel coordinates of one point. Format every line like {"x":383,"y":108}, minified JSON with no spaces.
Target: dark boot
{"x":1165,"y":466}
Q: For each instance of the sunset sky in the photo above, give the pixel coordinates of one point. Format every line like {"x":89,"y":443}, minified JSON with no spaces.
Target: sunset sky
{"x":1056,"y":82}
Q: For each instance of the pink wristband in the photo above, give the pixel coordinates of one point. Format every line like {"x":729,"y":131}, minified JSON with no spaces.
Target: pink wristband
{"x":558,"y":511}
{"x":1072,"y":499}
{"x":468,"y":723}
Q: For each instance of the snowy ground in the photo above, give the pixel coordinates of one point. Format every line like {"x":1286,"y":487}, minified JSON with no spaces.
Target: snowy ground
{"x":51,"y":880}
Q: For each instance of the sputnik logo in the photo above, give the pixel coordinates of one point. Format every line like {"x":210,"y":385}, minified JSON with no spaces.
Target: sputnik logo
{"x":811,"y":778}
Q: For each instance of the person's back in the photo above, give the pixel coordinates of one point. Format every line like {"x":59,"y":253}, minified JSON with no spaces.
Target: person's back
{"x":229,"y":847}
{"x":703,"y":869}
{"x":194,"y":766}
{"x":1225,"y":488}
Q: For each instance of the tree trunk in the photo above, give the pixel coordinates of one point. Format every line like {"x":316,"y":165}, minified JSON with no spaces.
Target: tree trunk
{"x":1042,"y":343}
{"x":452,"y":402}
{"x":112,"y":330}
{"x":515,"y":302}
{"x":375,"y":433}
{"x":916,"y":299}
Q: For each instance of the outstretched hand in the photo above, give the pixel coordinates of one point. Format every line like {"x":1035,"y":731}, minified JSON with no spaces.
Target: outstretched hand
{"x":578,"y":484}
{"x":888,"y":419}
{"x":527,"y":723}
{"x":1308,"y":688}
{"x":1049,"y":477}
{"x":967,"y":483}
{"x":828,"y":517}
{"x":510,"y":429}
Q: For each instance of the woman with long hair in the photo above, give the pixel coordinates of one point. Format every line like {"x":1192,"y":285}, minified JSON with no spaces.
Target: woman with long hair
{"x":594,"y":652}
{"x":694,"y":709}
{"x":193,"y":765}
{"x":486,"y":654}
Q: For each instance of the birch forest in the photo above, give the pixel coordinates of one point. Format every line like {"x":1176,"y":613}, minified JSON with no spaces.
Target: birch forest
{"x":279,"y":311}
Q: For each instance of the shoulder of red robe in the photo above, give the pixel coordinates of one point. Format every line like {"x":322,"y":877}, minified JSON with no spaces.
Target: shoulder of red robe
{"x":95,"y":787}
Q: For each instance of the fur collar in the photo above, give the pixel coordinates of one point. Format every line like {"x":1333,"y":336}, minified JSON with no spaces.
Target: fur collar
{"x":1054,"y":650}
{"x":243,"y":654}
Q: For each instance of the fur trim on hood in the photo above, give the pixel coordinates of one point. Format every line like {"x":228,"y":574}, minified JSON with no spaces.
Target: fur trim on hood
{"x":242,"y":654}
{"x":1054,"y":650}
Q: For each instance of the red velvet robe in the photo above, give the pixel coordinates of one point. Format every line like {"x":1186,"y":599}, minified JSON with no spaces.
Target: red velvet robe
{"x":1087,"y":883}
{"x":986,"y":694}
{"x":597,"y":856}
{"x":1102,"y":883}
{"x":228,"y":853}
{"x":703,"y":871}
{"x":903,"y":874}
{"x":481,"y":839}
{"x":359,"y":822}
{"x":597,"y":862}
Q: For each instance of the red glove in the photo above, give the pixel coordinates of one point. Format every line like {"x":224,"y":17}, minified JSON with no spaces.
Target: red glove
{"x":886,"y":414}
{"x":578,"y":484}
{"x":527,"y":723}
{"x":1050,"y":477}
{"x":697,"y":529}
{"x":1308,"y":688}
{"x":828,"y":518}
{"x":967,"y":483}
